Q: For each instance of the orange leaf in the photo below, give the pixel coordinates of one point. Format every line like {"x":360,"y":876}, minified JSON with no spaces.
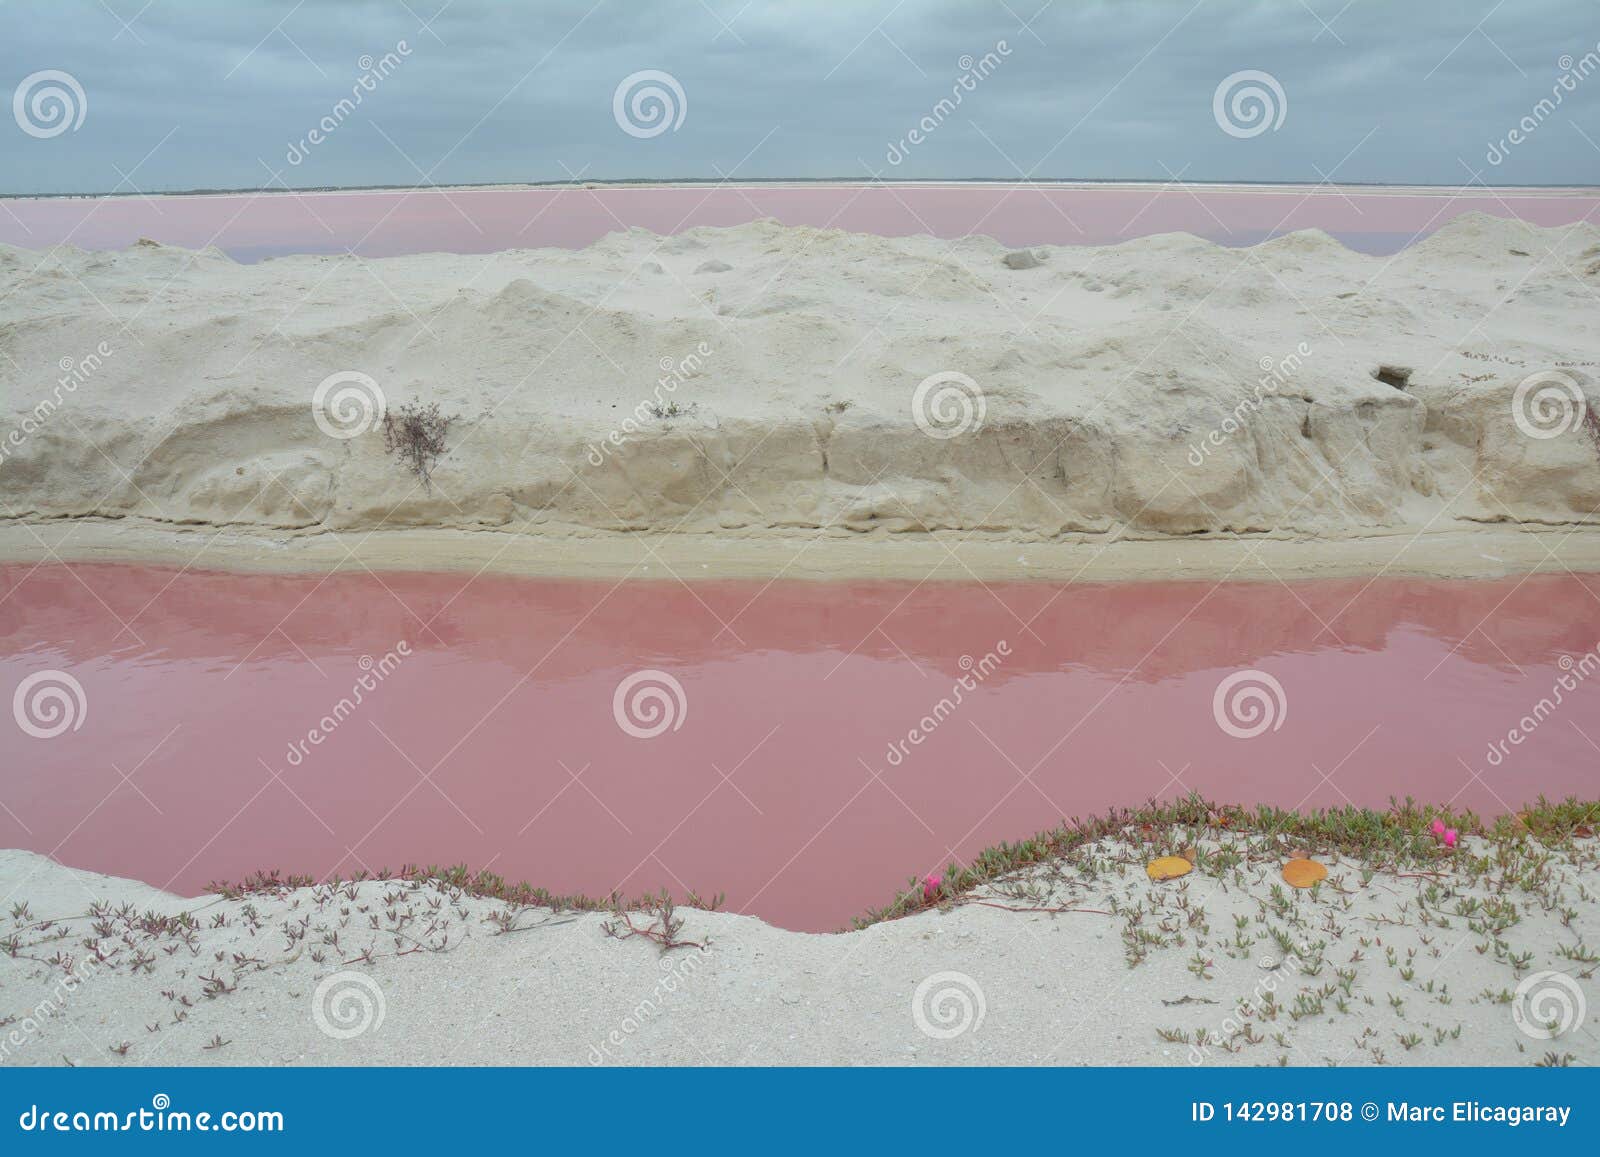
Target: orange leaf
{"x":1303,"y":873}
{"x":1168,"y":868}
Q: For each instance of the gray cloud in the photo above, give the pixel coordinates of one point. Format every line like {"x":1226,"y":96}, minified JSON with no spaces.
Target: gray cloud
{"x":192,"y":95}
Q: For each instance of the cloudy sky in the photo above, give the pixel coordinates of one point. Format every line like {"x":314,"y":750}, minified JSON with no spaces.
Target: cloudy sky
{"x":178,"y":94}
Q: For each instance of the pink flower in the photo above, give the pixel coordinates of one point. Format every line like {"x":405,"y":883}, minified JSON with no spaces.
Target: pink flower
{"x":1438,"y":828}
{"x":1450,"y":837}
{"x":930,"y":886}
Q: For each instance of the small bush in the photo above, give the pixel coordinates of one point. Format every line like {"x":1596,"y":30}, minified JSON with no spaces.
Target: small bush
{"x":417,"y":435}
{"x":668,"y":409}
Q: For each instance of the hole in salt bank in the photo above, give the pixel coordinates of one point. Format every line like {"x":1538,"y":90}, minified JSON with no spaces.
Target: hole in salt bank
{"x":1397,"y":376}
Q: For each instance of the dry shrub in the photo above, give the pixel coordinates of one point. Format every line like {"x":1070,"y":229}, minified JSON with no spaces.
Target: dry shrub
{"x":417,"y":435}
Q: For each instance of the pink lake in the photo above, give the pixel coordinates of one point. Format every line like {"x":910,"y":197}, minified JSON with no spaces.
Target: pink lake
{"x":383,"y":223}
{"x":496,"y":741}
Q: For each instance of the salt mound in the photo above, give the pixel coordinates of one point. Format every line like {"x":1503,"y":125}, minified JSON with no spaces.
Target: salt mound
{"x":1166,"y":385}
{"x":1482,"y":237}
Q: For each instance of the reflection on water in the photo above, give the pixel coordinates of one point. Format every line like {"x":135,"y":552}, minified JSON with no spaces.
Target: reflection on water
{"x":831,"y":741}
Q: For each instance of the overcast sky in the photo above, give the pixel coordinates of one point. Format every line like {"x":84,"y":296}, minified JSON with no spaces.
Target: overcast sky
{"x":180,"y":94}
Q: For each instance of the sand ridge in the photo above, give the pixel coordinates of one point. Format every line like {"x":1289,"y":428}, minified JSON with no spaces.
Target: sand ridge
{"x":762,"y":380}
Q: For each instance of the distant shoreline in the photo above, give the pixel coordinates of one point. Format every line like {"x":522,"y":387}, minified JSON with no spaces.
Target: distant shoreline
{"x":1295,"y":187}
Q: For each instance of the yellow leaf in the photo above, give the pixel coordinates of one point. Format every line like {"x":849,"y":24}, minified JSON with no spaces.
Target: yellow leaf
{"x":1168,"y":868}
{"x":1303,"y":873}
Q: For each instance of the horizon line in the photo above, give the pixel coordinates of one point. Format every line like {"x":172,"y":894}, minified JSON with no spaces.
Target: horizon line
{"x":1478,"y":189}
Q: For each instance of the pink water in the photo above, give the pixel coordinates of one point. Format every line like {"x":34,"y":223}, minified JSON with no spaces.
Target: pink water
{"x":249,"y":226}
{"x":495,"y":742}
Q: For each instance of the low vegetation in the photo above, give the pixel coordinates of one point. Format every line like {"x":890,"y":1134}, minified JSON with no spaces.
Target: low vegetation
{"x":1398,"y":839}
{"x":416,"y":432}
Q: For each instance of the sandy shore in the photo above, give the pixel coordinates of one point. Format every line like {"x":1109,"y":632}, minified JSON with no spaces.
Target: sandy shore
{"x":759,"y":388}
{"x":1081,"y":960}
{"x":1486,"y":552}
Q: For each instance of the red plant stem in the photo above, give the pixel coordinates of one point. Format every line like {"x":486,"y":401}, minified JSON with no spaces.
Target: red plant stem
{"x":1009,"y":908}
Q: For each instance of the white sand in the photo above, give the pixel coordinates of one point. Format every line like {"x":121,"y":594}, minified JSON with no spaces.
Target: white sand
{"x":1392,"y":969}
{"x":1104,"y":374}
